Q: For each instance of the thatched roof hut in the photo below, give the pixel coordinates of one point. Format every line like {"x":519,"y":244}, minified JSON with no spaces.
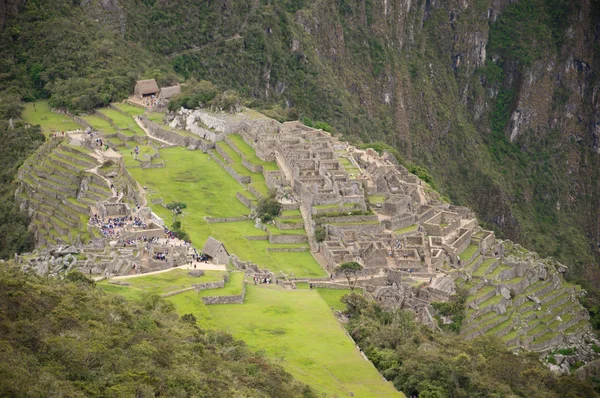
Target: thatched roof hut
{"x":146,"y":88}
{"x":167,"y":92}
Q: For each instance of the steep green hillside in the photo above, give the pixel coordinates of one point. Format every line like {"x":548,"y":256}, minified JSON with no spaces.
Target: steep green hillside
{"x":73,"y":339}
{"x":495,"y":98}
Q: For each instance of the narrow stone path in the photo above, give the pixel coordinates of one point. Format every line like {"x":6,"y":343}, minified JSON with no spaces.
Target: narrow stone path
{"x":143,"y":127}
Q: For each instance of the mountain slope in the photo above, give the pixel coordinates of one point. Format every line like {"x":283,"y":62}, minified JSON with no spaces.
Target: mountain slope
{"x":496,"y":98}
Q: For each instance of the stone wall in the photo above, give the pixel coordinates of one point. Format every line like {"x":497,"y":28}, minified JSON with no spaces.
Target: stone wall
{"x":233,"y":299}
{"x":176,"y":139}
{"x":210,"y":285}
{"x":245,"y":201}
{"x":348,"y":219}
{"x":241,"y":179}
{"x":288,"y":239}
{"x":287,"y":249}
{"x":212,"y":220}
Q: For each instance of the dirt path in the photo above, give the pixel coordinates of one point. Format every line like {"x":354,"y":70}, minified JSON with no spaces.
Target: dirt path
{"x":143,"y":127}
{"x":201,"y":266}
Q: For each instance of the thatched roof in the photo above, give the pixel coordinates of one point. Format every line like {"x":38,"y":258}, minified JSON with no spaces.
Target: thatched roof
{"x":168,"y":92}
{"x":211,"y":247}
{"x":145,"y":87}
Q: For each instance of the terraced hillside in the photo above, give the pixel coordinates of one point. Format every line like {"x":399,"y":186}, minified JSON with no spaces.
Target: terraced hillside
{"x":57,"y":189}
{"x":521,"y":299}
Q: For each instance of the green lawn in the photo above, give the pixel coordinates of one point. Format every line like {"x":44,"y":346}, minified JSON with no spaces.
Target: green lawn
{"x":405,"y":230}
{"x":207,"y":189}
{"x":333,"y":297}
{"x":349,"y":166}
{"x":100,"y":124}
{"x":375,"y":199}
{"x":118,"y":118}
{"x":129,"y":109}
{"x":298,"y":330}
{"x":48,"y":120}
{"x":164,"y":282}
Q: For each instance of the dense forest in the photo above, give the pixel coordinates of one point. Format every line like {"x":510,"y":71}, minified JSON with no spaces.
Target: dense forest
{"x":74,"y":340}
{"x":435,"y":365}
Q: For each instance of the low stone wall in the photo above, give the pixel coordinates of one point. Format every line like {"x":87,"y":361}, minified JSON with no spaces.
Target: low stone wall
{"x":241,"y":179}
{"x":82,"y":122}
{"x":177,"y":292}
{"x":288,"y":239}
{"x":287,"y":249}
{"x":346,"y":219}
{"x":245,"y":201}
{"x":224,"y":154}
{"x":212,"y":220}
{"x":254,"y":192}
{"x":259,"y":237}
{"x":174,"y":138}
{"x":335,"y":286}
{"x":233,"y":299}
{"x":210,"y":285}
{"x":255,"y":168}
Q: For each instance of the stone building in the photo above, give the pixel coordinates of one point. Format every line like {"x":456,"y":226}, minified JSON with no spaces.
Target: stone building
{"x":216,"y":251}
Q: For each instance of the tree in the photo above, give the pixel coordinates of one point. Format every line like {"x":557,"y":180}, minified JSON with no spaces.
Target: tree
{"x":177,"y":208}
{"x":350,"y":269}
{"x":268,"y":208}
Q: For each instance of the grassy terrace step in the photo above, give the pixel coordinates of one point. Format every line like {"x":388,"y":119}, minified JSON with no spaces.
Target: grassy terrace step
{"x":273,"y":230}
{"x":499,"y":327}
{"x":99,"y":124}
{"x":564,"y":308}
{"x":545,"y":337}
{"x":468,"y":252}
{"x":514,"y":280}
{"x":492,"y":322}
{"x":482,"y":270}
{"x":290,"y":213}
{"x":536,"y":287}
{"x":472,"y":265}
{"x":129,"y":109}
{"x":578,"y":326}
{"x":473,"y":323}
{"x":564,"y":318}
{"x":250,"y":154}
{"x":65,"y":163}
{"x":481,"y":292}
{"x":50,"y":165}
{"x":491,"y":301}
{"x":76,"y":159}
{"x":549,"y":304}
{"x":510,"y":336}
{"x":405,"y":230}
{"x":498,"y":270}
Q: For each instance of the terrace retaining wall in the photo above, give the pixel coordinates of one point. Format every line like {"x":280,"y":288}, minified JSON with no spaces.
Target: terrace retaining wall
{"x":241,"y":179}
